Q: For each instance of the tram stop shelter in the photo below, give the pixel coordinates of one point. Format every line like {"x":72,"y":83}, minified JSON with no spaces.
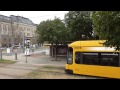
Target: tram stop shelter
{"x":60,"y":49}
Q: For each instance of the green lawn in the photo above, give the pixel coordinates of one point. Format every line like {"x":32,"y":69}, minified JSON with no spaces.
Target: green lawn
{"x":52,"y":72}
{"x":3,"y":61}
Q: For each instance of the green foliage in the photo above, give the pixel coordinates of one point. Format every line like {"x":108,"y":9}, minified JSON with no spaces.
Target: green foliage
{"x":52,"y":31}
{"x":107,"y":26}
{"x":43,"y":31}
{"x":79,"y":24}
{"x":7,"y":61}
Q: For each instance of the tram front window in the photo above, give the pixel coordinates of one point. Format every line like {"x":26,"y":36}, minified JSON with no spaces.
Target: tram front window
{"x":69,"y":56}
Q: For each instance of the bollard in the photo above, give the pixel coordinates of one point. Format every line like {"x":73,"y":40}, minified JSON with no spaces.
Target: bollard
{"x":1,"y":54}
{"x":15,"y":56}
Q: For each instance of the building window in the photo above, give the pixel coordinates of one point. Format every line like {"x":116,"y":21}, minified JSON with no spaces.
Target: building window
{"x":10,"y":33}
{"x":9,"y":45}
{"x":9,"y":39}
{"x":6,"y":27}
{"x":15,"y":39}
{"x":5,"y":45}
{"x":28,"y":34}
{"x":2,"y":26}
{"x":5,"y":39}
{"x":4,"y":32}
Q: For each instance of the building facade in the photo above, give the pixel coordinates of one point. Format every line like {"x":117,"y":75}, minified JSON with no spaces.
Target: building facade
{"x":15,"y":29}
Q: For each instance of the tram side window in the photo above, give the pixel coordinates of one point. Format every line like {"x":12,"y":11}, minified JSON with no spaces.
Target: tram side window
{"x":109,"y":59}
{"x":103,"y":59}
{"x":91,"y":58}
{"x":77,"y":57}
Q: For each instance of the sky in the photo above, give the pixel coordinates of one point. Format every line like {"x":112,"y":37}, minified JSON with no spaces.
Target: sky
{"x":36,"y":16}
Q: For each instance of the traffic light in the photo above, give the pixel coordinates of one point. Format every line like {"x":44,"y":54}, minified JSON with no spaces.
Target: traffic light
{"x":27,"y":42}
{"x":27,"y":45}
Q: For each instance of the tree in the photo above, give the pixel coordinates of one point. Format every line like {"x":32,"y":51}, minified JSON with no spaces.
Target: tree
{"x":79,"y":24}
{"x":52,"y":31}
{"x":107,"y":26}
{"x":44,"y":31}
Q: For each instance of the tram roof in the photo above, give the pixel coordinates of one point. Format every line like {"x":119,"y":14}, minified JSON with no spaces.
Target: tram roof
{"x":87,"y":43}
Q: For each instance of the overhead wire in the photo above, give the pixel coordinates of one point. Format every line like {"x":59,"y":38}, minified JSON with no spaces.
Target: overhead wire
{"x":47,"y":15}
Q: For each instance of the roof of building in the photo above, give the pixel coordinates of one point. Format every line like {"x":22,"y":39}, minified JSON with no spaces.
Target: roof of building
{"x":18,"y":19}
{"x":5,"y":18}
{"x":21,"y":19}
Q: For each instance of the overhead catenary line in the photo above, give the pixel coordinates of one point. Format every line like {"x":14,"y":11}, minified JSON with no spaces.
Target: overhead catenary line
{"x":46,"y":15}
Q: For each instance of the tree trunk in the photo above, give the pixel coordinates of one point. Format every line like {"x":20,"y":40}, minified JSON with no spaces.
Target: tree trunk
{"x":52,"y":49}
{"x":56,"y":51}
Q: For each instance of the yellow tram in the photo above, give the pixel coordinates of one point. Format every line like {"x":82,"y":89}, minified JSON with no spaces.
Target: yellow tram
{"x":93,"y":58}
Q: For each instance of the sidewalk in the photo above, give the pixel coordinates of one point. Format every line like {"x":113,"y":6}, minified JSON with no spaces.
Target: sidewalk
{"x":21,"y":56}
{"x":34,"y":61}
{"x":37,"y":58}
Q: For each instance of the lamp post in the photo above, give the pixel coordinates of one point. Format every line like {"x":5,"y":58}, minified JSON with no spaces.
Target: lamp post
{"x":23,"y":40}
{"x":1,"y":45}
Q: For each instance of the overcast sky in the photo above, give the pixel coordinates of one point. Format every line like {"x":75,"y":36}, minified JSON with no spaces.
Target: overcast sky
{"x":36,"y":16}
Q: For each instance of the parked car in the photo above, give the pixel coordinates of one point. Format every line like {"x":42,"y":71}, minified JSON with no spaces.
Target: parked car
{"x":16,"y":46}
